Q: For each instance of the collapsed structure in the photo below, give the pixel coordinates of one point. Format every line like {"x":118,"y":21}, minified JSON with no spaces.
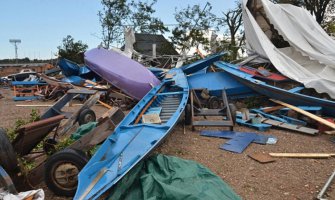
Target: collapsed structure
{"x":291,"y":39}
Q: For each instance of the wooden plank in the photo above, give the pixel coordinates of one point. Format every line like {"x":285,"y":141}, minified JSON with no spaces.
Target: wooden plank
{"x":271,"y":109}
{"x":302,"y":155}
{"x":73,"y":119}
{"x":308,"y":114}
{"x":94,"y":137}
{"x":82,"y":91}
{"x":151,"y":119}
{"x":46,"y":105}
{"x":262,"y":157}
{"x":292,"y":127}
{"x":105,"y":104}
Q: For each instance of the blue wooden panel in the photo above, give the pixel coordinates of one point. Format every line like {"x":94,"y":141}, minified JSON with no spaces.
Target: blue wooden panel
{"x":259,"y":139}
{"x":219,"y":134}
{"x":27,"y":83}
{"x":217,"y":82}
{"x":238,"y":143}
{"x":260,"y":127}
{"x":26,"y":98}
{"x":296,"y":89}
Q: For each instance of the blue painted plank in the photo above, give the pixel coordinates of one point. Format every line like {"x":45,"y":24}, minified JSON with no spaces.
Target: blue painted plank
{"x":260,"y":127}
{"x":154,"y":110}
{"x":26,"y":98}
{"x":259,"y":139}
{"x":238,"y":143}
{"x":269,"y":116}
{"x":27,"y":83}
{"x":219,"y":134}
{"x":294,"y":121}
{"x":296,"y":89}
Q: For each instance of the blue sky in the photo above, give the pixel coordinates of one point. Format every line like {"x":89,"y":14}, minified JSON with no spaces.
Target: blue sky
{"x":42,"y":24}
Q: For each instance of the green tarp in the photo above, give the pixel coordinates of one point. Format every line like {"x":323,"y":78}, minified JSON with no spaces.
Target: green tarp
{"x":163,"y":177}
{"x":83,"y":129}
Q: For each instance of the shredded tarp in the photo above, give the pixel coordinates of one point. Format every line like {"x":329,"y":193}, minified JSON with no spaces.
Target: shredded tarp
{"x":32,"y":194}
{"x":171,"y":178}
{"x":310,"y":57}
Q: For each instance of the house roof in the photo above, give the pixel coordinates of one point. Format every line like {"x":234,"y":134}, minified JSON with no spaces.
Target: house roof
{"x":145,"y":41}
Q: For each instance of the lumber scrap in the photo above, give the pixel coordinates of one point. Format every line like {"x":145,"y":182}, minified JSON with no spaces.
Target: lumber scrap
{"x":271,"y":109}
{"x":292,"y":127}
{"x":308,"y":114}
{"x":262,"y":157}
{"x":302,"y":155}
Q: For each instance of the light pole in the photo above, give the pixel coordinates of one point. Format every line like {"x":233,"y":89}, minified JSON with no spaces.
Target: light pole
{"x":15,"y":42}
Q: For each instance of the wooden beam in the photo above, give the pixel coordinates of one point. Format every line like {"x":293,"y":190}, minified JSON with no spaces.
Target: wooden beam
{"x":271,"y":109}
{"x":302,"y":155}
{"x":105,"y":104}
{"x":308,"y":114}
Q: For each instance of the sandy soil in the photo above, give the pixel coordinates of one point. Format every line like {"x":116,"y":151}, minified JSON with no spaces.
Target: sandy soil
{"x":287,"y":178}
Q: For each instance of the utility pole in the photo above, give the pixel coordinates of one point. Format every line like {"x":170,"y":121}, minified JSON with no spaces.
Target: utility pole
{"x":15,"y":42}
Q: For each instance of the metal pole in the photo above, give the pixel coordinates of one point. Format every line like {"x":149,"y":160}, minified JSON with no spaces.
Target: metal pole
{"x":325,"y":187}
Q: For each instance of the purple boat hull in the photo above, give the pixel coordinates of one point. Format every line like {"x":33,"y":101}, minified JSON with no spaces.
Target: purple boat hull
{"x":126,"y":74}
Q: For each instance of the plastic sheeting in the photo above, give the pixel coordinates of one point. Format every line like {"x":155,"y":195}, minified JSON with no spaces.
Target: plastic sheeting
{"x":171,"y":178}
{"x":310,"y":57}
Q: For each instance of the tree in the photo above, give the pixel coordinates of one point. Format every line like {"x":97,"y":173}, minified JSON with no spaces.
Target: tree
{"x":72,"y":50}
{"x":112,"y":16}
{"x":116,"y":14}
{"x":318,"y":8}
{"x":233,"y":20}
{"x":142,"y":20}
{"x":193,"y":22}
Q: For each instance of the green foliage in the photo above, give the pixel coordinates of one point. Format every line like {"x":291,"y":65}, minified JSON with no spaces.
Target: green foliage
{"x":232,"y":19}
{"x":112,"y":16}
{"x":27,"y":165}
{"x":93,"y":150}
{"x":320,"y":9}
{"x":64,"y":143}
{"x":142,"y":18}
{"x":193,"y":22}
{"x":116,"y":14}
{"x":72,"y":50}
{"x":12,"y":132}
{"x":34,"y":115}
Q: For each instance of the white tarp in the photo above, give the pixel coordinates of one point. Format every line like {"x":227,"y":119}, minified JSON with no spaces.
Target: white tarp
{"x":310,"y":59}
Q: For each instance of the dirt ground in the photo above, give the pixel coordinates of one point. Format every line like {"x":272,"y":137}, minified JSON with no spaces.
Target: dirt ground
{"x":287,"y":178}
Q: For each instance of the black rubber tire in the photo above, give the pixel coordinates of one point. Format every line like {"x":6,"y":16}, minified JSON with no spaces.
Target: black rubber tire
{"x":8,"y":158}
{"x":213,"y":102}
{"x":67,"y":157}
{"x":188,"y":114}
{"x":233,"y":110}
{"x":86,"y":116}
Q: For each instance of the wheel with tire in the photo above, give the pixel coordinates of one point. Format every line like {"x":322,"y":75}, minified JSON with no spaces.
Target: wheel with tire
{"x":7,"y":154}
{"x":188,"y":114}
{"x":86,"y":116}
{"x":233,"y":110}
{"x":213,"y":102}
{"x":62,"y":169}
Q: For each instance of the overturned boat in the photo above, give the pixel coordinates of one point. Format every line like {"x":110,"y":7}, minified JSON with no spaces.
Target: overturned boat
{"x":122,"y":72}
{"x":147,"y":124}
{"x":289,"y":96}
